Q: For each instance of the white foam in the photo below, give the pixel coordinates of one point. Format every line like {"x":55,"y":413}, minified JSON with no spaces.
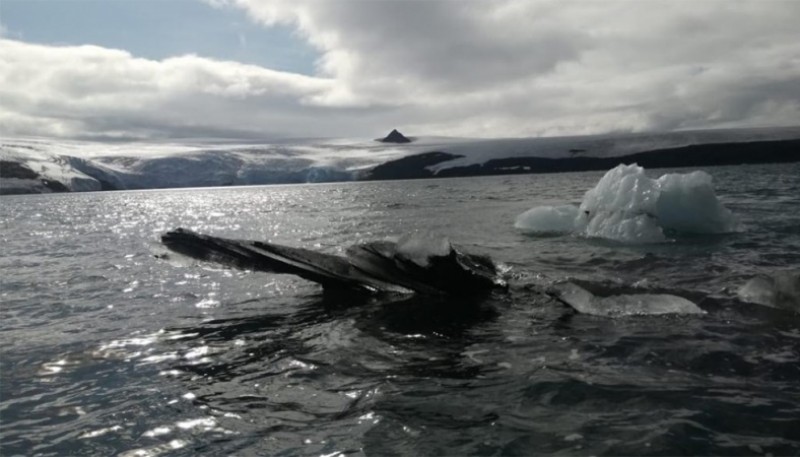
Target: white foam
{"x":420,"y":247}
{"x":628,"y":206}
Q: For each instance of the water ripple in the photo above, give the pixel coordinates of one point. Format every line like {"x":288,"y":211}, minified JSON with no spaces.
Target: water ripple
{"x":111,"y":347}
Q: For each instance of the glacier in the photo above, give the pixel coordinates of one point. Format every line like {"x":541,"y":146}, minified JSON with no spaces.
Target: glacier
{"x":87,"y":166}
{"x":30,"y":165}
{"x":628,"y":206}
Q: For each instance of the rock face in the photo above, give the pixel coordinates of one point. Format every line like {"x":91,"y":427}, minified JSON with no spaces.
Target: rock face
{"x":395,"y":137}
{"x":409,"y":167}
{"x":10,"y":169}
{"x":16,"y":178}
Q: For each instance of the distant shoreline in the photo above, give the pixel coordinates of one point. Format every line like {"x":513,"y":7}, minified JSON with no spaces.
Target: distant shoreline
{"x":734,"y":153}
{"x":17,"y":178}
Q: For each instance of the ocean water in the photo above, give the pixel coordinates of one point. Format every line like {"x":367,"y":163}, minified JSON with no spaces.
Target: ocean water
{"x":108,"y":348}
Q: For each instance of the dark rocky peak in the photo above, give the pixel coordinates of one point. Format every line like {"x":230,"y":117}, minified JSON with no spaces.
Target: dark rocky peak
{"x":395,"y":137}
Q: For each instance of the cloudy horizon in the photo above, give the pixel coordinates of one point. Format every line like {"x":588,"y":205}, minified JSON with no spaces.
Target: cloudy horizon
{"x":251,"y":69}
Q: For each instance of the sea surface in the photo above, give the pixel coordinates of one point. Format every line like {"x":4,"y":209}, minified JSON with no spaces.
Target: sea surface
{"x":109,"y":347}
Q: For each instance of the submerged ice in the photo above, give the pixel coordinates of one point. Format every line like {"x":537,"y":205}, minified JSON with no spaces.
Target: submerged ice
{"x":585,"y":302}
{"x":628,"y":206}
{"x":780,"y":289}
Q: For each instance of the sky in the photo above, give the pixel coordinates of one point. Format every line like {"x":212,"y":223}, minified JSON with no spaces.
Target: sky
{"x":274,"y":69}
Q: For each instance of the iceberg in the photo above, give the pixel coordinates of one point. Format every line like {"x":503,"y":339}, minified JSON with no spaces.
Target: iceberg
{"x":628,"y":206}
{"x":585,"y":302}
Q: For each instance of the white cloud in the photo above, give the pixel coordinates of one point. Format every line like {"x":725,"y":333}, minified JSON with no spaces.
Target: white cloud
{"x":473,"y":68}
{"x":88,"y":90}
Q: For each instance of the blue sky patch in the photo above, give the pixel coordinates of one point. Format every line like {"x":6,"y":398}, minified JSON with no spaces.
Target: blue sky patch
{"x":157,"y":29}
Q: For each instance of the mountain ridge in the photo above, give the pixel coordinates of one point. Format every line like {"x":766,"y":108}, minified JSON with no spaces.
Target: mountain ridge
{"x":39,"y":166}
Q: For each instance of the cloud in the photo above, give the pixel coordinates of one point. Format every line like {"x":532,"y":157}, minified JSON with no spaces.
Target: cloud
{"x":551,"y":66}
{"x":88,"y":90}
{"x":472,"y":68}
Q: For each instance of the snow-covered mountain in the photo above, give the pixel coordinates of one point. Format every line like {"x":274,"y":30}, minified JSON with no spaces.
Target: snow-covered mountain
{"x":42,"y":165}
{"x":32,"y":165}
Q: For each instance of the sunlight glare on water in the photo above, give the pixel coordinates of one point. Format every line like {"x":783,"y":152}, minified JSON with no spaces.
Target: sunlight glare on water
{"x":111,"y":345}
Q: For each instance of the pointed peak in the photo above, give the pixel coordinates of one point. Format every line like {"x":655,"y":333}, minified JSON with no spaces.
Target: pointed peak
{"x":395,"y":137}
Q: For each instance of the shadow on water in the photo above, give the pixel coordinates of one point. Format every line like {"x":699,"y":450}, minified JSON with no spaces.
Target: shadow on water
{"x":328,"y":366}
{"x":399,"y":314}
{"x":444,"y":324}
{"x":415,"y":375}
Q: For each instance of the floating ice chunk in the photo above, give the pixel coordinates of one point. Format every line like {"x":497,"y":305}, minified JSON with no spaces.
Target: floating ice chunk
{"x":687,"y":203}
{"x":621,"y":226}
{"x":778,"y":290}
{"x":548,"y":219}
{"x":621,"y":207}
{"x":623,"y":305}
{"x":624,"y":189}
{"x":420,"y":247}
{"x":628,"y":206}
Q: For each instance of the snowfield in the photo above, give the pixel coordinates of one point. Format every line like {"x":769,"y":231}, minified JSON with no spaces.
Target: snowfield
{"x":34,"y":165}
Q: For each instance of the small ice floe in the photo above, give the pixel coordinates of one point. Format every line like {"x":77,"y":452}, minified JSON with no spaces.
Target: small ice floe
{"x":628,"y":206}
{"x":585,"y":302}
{"x":777,"y":290}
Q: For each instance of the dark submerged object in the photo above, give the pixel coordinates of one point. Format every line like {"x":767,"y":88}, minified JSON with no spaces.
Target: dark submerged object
{"x":373,"y":267}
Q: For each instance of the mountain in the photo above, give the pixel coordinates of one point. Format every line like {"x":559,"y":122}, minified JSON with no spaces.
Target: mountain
{"x":37,"y":166}
{"x":395,"y":137}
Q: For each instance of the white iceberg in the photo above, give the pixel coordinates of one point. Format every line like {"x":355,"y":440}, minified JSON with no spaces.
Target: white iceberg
{"x":585,"y":302}
{"x":628,"y":206}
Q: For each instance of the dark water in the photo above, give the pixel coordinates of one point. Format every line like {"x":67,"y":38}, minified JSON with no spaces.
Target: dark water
{"x":108,"y":350}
